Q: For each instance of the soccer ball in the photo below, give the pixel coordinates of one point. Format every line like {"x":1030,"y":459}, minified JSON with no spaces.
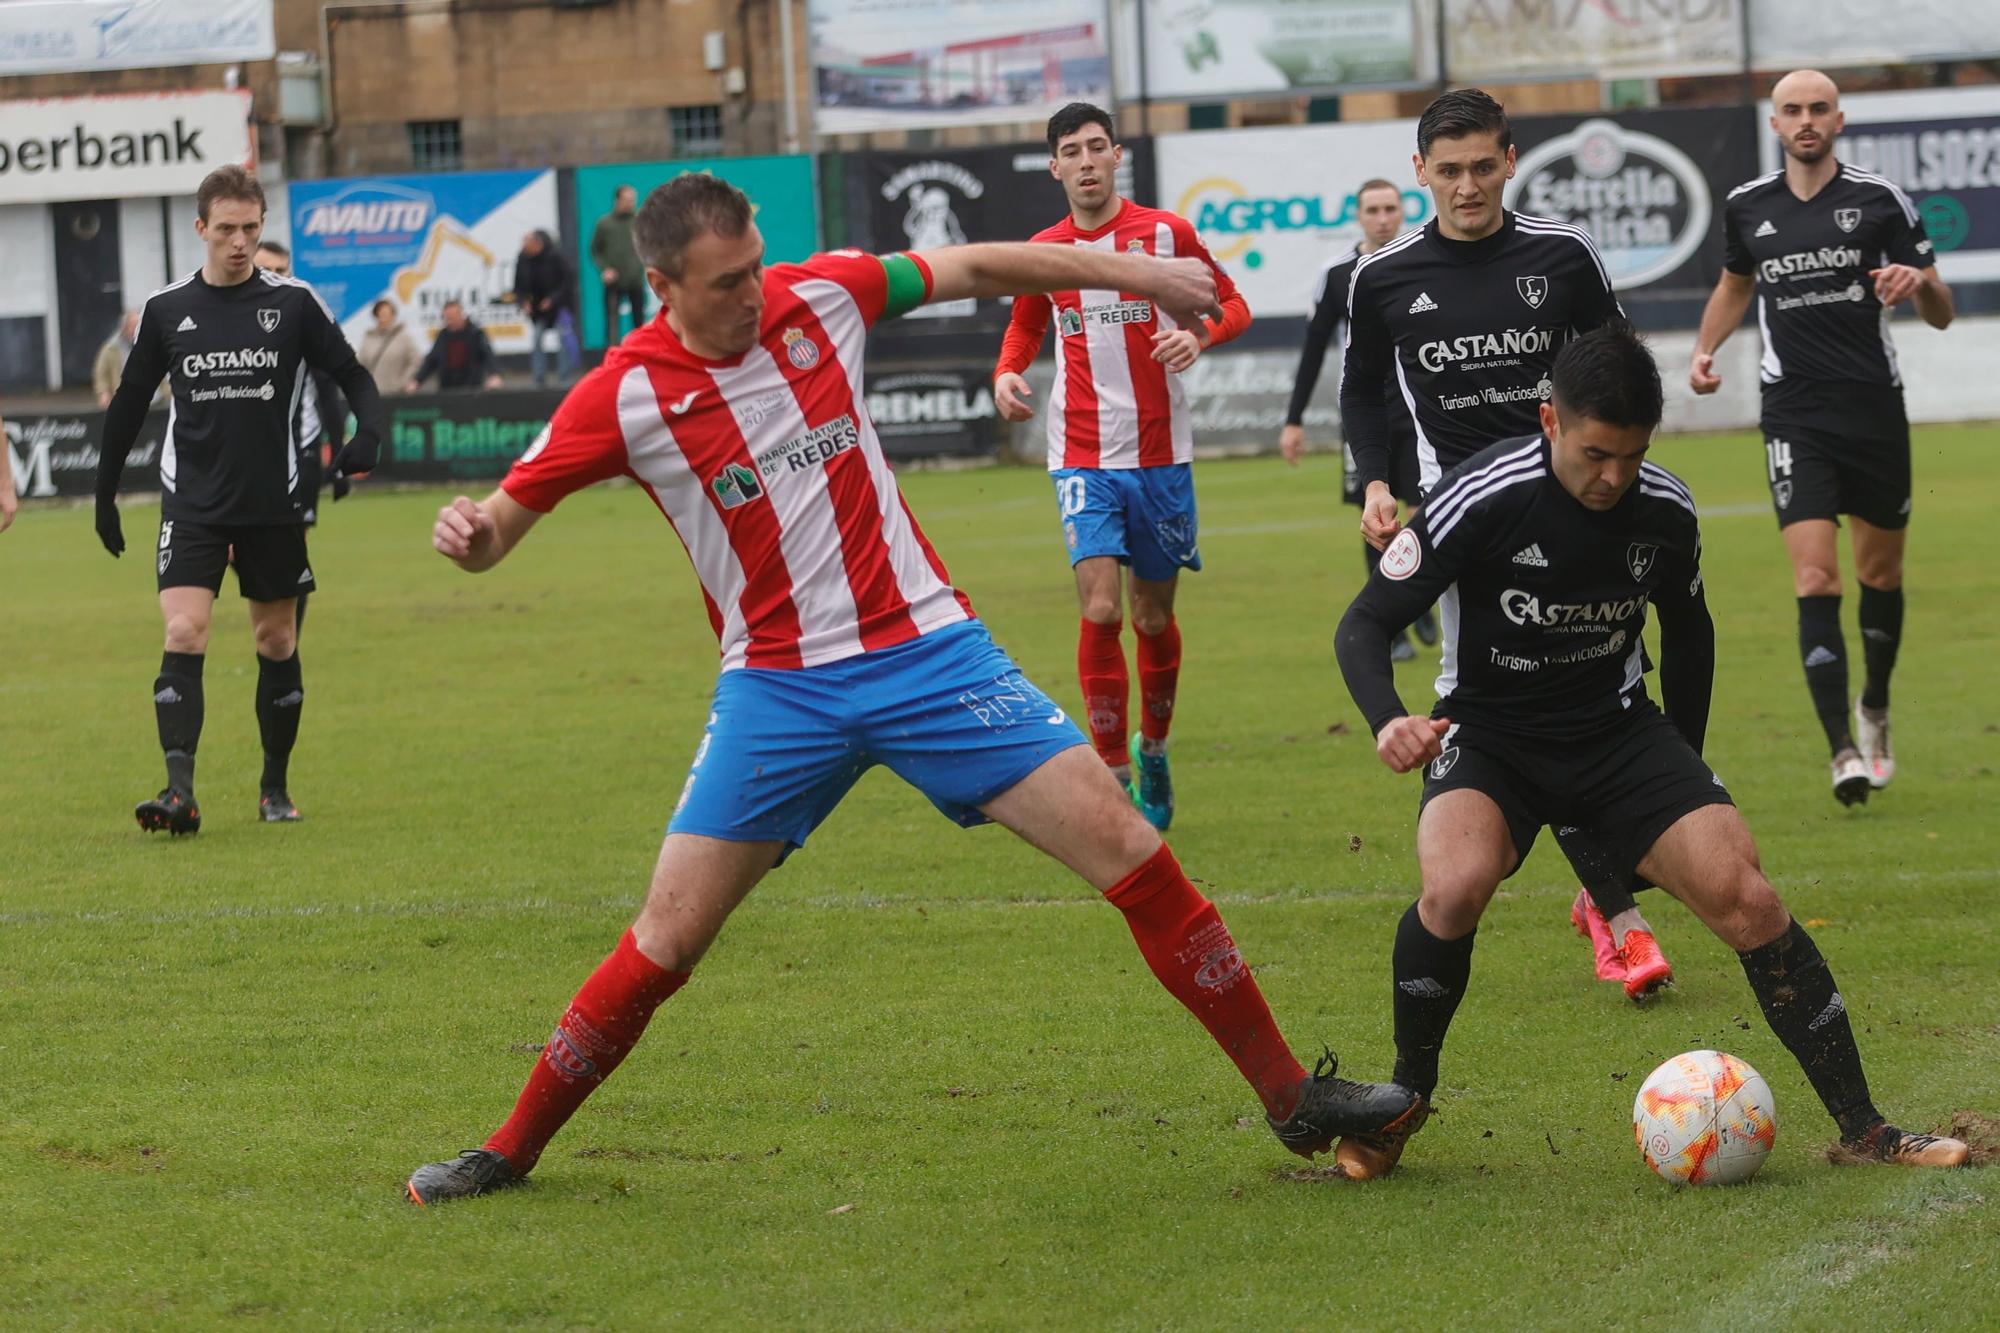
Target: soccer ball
{"x":1704,"y":1118}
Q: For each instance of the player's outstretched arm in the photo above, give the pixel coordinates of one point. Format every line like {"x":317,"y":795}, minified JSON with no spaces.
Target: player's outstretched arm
{"x":1727,"y":305}
{"x":477,"y":535}
{"x":1183,"y":288}
{"x":1410,"y":578}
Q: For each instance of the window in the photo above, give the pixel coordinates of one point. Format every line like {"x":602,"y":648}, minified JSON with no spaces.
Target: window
{"x":435,"y":145}
{"x":696,"y":130}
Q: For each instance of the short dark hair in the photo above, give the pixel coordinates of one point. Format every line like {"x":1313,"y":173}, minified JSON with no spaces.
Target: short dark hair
{"x":376,"y":309}
{"x":277,"y":248}
{"x":449,"y":304}
{"x":1608,"y":375}
{"x":687,"y":207}
{"x":1460,"y":112}
{"x":1073,"y":118}
{"x":1378,"y":183}
{"x":230,"y":182}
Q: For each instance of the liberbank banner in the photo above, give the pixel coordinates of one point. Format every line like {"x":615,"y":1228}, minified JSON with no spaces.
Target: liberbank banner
{"x":421,"y":241}
{"x":124,"y":146}
{"x":1943,"y":148}
{"x":1273,"y":205}
{"x":1648,"y":187}
{"x":63,"y":36}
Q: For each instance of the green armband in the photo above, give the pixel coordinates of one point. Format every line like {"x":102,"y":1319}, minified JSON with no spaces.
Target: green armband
{"x":907,"y":287}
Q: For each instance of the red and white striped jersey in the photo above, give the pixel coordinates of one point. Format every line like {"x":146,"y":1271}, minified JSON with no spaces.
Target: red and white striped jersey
{"x":768,"y":468}
{"x":1113,"y":405}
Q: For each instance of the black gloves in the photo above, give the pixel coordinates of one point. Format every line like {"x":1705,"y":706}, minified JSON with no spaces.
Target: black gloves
{"x":358,"y":456}
{"x":109,"y":530}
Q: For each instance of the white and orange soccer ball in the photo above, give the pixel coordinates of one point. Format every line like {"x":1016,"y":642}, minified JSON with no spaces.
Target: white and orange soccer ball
{"x":1704,"y":1118}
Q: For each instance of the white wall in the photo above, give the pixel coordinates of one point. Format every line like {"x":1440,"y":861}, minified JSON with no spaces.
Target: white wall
{"x":27,"y":278}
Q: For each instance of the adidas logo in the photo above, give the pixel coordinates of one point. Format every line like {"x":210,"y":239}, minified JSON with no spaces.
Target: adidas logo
{"x":305,"y":576}
{"x":1765,"y":228}
{"x":1820,"y":656}
{"x":1532,"y":556}
{"x":1422,"y":303}
{"x":169,"y":695}
{"x":1877,"y":635}
{"x":1834,"y":1009}
{"x":187,"y":322}
{"x":292,"y":700}
{"x":1424,"y":988}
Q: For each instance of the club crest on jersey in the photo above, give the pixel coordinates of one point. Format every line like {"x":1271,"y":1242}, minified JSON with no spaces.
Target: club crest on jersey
{"x":1533,"y":290}
{"x":1136,"y":246}
{"x":1176,"y":534}
{"x":1781,"y":491}
{"x":269,"y":319}
{"x":1847,"y":219}
{"x":1639,"y":557}
{"x":1070,"y":322}
{"x":800,"y":350}
{"x":736,"y":486}
{"x":1442,"y":764}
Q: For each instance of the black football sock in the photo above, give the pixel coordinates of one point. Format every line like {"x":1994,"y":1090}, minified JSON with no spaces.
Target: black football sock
{"x":299,"y":619}
{"x":1881,"y":636}
{"x":177,"y":708}
{"x":1795,"y":989}
{"x":280,"y":698}
{"x":1430,"y":976}
{"x":1824,"y":653}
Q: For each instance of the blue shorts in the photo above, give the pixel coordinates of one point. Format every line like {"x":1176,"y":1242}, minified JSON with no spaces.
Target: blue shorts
{"x":948,"y":712}
{"x":1143,"y":516}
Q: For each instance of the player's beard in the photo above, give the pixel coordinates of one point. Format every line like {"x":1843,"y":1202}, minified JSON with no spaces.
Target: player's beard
{"x":1816,"y":153}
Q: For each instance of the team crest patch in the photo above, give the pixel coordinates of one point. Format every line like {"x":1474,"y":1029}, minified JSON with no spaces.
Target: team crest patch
{"x":269,"y":318}
{"x":1070,"y":322}
{"x":1136,"y":246}
{"x":1533,"y":290}
{"x":1443,"y":763}
{"x":1176,"y":534}
{"x":800,"y":350}
{"x":1781,"y":491}
{"x":1403,"y":556}
{"x":166,"y":558}
{"x":736,"y":486}
{"x":1847,"y":219}
{"x":1639,"y":557}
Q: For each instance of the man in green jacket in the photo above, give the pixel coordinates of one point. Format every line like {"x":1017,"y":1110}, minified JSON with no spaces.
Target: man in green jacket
{"x":618,"y":266}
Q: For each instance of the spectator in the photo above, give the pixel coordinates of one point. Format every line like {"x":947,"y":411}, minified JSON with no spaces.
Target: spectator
{"x":545,"y":287}
{"x":111,"y":362}
{"x":8,"y":504}
{"x":461,"y":357}
{"x":618,"y":265}
{"x":390,"y":353}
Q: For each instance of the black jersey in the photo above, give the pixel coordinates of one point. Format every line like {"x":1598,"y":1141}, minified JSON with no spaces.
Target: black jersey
{"x":237,"y":359}
{"x":1816,"y":305}
{"x":1467,"y":331}
{"x":1543,"y":600}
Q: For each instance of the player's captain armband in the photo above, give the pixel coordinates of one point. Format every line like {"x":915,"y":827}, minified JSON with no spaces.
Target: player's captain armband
{"x":909,"y":284}
{"x":1403,"y":556}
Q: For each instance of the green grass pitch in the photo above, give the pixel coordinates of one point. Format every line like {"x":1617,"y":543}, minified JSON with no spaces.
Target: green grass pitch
{"x":924,"y":1080}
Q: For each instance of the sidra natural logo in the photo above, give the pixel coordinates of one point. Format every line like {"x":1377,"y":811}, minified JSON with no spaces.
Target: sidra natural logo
{"x":1643,"y":201}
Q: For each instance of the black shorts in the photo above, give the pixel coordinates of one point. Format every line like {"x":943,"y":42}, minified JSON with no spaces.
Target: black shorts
{"x":270,"y":559}
{"x":1619,"y":790}
{"x":1833,"y":449}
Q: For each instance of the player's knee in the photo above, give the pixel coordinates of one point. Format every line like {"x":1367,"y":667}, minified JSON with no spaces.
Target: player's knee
{"x":1149,"y":619}
{"x":1748,"y":911}
{"x":187,"y":633}
{"x":1452,"y":904}
{"x":1816,"y":581}
{"x":1101,"y":608}
{"x":277,"y":642}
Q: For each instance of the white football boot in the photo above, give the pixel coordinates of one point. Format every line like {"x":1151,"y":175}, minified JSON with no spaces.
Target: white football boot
{"x":1871,"y":737}
{"x":1851,"y":783}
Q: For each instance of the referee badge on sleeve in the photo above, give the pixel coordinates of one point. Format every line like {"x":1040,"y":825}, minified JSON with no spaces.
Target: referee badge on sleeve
{"x":1403,"y":556}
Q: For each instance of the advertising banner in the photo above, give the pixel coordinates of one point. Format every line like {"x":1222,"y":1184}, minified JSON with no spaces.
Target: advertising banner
{"x":922,"y":201}
{"x":421,"y":241}
{"x":920,"y":64}
{"x":125,"y":146}
{"x":1609,"y":39}
{"x":780,"y":190}
{"x":65,"y":36}
{"x":1832,"y":33}
{"x":1943,"y":147}
{"x":1221,"y":48}
{"x":1273,"y":205}
{"x":56,"y":454}
{"x":1648,"y":187}
{"x":942,"y":409}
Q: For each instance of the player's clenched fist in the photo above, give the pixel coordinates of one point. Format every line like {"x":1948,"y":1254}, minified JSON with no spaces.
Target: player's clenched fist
{"x":1010,"y":396}
{"x":461,"y":528}
{"x":1411,"y":742}
{"x":1185,"y":289}
{"x":1701,"y":374}
{"x":1378,"y":516}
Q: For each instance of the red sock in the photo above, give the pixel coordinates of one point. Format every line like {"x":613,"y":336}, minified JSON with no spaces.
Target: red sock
{"x":1190,"y":951}
{"x":1100,"y":669}
{"x":602,"y":1023}
{"x":1159,"y":675}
